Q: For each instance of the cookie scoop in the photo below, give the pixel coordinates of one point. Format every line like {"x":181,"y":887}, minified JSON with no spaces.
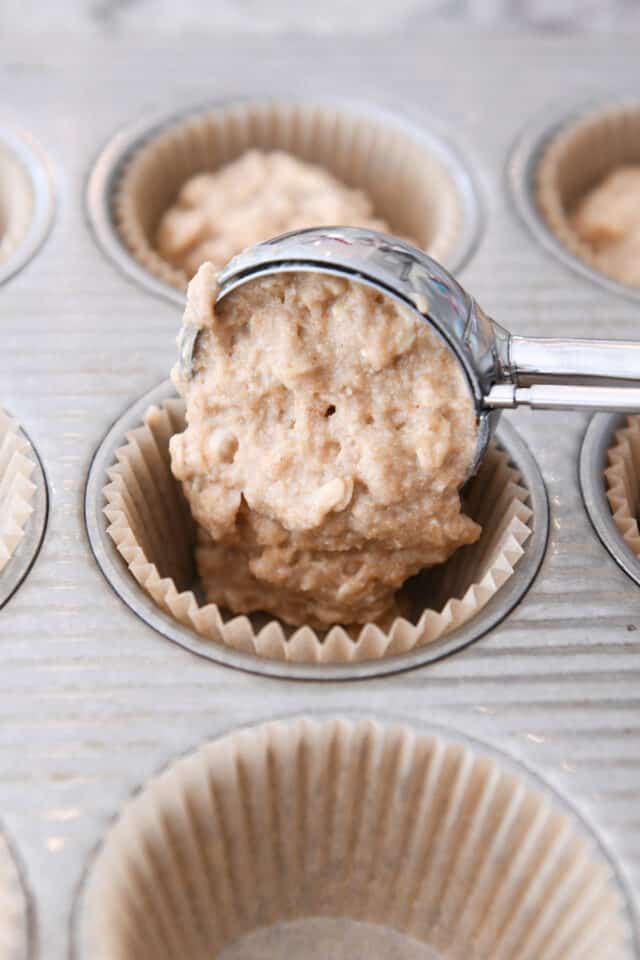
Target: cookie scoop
{"x":503,"y":371}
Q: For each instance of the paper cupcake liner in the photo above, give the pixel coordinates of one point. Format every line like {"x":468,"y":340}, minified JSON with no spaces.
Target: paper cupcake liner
{"x":151,"y":526}
{"x":13,"y":913}
{"x":16,"y":203}
{"x":576,"y":160}
{"x":623,"y":482}
{"x":324,"y":818}
{"x":408,"y":185}
{"x":16,"y":489}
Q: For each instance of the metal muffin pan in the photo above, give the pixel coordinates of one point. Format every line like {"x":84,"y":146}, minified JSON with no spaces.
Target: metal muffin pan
{"x":27,"y":550}
{"x":108,"y":168}
{"x":114,"y":569}
{"x":159,"y":834}
{"x":17,"y":925}
{"x":593,"y":461}
{"x":38,"y":183}
{"x":92,"y":699}
{"x":522,"y":168}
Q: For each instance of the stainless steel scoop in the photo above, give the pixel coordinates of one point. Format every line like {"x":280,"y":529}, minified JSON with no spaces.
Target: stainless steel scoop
{"x":503,"y":371}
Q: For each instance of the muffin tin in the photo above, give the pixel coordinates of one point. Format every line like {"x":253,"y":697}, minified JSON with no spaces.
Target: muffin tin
{"x":26,"y":199}
{"x":300,"y":655}
{"x":16,"y":922}
{"x":589,"y":140}
{"x":416,"y":839}
{"x":23,"y":506}
{"x":416,"y":180}
{"x":599,"y":439}
{"x":95,"y":700}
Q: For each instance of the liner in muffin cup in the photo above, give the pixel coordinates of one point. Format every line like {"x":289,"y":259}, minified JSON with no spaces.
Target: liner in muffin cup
{"x":315,"y":818}
{"x":16,"y":203}
{"x":575,"y":161}
{"x":409,"y":185}
{"x":16,"y":488}
{"x":13,"y":912}
{"x":150,"y":523}
{"x":623,"y":482}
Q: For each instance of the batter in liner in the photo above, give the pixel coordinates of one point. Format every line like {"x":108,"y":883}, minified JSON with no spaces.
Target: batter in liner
{"x":256,"y":197}
{"x":607,"y":219}
{"x":328,"y":432}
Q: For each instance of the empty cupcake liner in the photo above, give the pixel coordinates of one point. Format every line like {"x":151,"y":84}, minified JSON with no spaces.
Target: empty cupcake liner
{"x":13,"y":909}
{"x":16,"y":203}
{"x":576,"y":159}
{"x":623,"y":482}
{"x":409,"y":180}
{"x":17,"y":490}
{"x":293,"y":821}
{"x":150,"y":523}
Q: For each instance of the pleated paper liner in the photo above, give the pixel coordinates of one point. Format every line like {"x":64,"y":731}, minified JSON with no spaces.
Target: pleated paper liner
{"x":16,"y":203}
{"x":575,"y":161}
{"x":151,"y":526}
{"x":13,"y":911}
{"x":16,"y":488}
{"x":262,"y":839}
{"x":410,"y":187}
{"x":623,"y":482}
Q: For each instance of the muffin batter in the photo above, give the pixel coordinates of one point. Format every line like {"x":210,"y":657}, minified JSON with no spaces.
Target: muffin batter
{"x":328,"y":431}
{"x":258,"y":196}
{"x":607,"y":219}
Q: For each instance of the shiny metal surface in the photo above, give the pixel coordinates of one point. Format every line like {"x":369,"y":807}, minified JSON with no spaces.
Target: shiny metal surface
{"x":548,"y":396}
{"x":92,"y":699}
{"x":598,"y":437}
{"x":116,"y":573}
{"x":34,"y":163}
{"x":574,"y":361}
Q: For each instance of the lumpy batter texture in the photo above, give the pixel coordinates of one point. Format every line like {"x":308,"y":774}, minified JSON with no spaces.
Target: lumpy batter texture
{"x":256,"y":197}
{"x":607,"y":219}
{"x":328,"y":431}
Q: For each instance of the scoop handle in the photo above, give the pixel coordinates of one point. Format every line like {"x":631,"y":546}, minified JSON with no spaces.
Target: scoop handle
{"x":532,"y":360}
{"x":551,"y":396}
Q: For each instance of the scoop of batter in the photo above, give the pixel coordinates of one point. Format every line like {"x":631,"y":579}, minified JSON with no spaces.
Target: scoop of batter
{"x":328,"y":431}
{"x":258,"y":196}
{"x":607,"y":219}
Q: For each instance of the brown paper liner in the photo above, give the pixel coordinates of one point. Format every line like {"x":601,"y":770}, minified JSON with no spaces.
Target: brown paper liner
{"x":576,"y":161}
{"x":623,"y":482}
{"x":16,"y":489}
{"x":324,"y":818}
{"x":13,"y":914}
{"x":16,"y":203}
{"x":151,"y":525}
{"x":410,"y":188}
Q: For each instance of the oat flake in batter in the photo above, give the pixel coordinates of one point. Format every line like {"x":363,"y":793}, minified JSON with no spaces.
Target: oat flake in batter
{"x":328,"y":431}
{"x":258,"y":196}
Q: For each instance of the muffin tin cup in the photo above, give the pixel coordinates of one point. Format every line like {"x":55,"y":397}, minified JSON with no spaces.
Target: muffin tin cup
{"x":610,"y":481}
{"x":490,"y":578}
{"x":584,"y":142}
{"x":26,"y":201}
{"x":425,"y":836}
{"x":415,"y":180}
{"x":15,"y":919}
{"x":623,"y":482}
{"x":23,"y":506}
